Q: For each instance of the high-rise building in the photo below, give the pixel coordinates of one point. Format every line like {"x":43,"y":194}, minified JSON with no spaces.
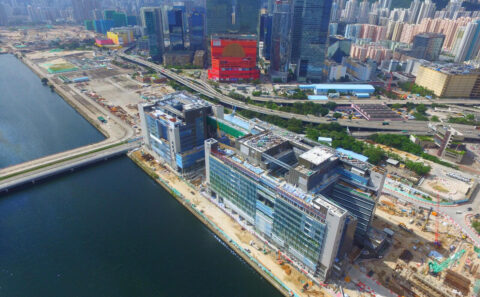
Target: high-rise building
{"x":119,"y":19}
{"x":350,"y":13}
{"x":427,"y":46}
{"x":175,"y":129}
{"x":196,"y":28}
{"x":363,"y":10}
{"x":267,"y":35}
{"x":102,"y":26}
{"x":3,"y":15}
{"x":280,"y":41}
{"x":153,"y":29}
{"x":470,"y":42}
{"x":233,"y":16}
{"x":176,"y":21}
{"x":427,"y":10}
{"x":234,"y":58}
{"x":83,"y":9}
{"x":310,"y":38}
{"x":413,"y":11}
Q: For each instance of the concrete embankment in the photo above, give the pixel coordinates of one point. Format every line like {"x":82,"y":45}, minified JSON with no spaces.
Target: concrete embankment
{"x":67,"y":97}
{"x":180,"y":197}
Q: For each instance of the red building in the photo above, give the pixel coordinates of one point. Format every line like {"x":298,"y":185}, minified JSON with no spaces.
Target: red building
{"x":234,"y":58}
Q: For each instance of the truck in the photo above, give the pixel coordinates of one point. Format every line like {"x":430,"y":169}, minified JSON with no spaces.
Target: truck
{"x":102,"y":119}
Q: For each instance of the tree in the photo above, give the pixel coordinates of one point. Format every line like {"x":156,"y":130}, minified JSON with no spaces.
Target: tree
{"x":337,"y":115}
{"x":434,"y":119}
{"x":295,"y":125}
{"x":470,"y":117}
{"x":324,"y":111}
{"x":44,"y":81}
{"x":421,"y":108}
{"x":331,"y":105}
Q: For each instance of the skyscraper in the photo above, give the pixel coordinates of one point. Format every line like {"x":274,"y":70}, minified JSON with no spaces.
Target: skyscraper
{"x":310,"y":37}
{"x":470,"y":43}
{"x":428,"y":46}
{"x":176,"y":27}
{"x":280,"y":43}
{"x":196,"y":28}
{"x":82,"y":9}
{"x":427,"y":10}
{"x":233,"y":16}
{"x":413,"y":11}
{"x":153,"y":29}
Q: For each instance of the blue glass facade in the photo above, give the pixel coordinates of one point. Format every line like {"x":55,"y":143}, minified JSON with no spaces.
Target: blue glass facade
{"x":310,"y":38}
{"x":176,"y":28}
{"x":196,"y":28}
{"x":153,"y":30}
{"x":102,"y":26}
{"x":276,"y":218}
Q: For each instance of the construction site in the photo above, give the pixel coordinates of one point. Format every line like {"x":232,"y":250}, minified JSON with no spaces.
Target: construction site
{"x":428,"y":256}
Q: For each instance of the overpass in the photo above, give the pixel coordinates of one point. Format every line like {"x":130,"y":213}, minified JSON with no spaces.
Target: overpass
{"x":14,"y":176}
{"x":407,"y":127}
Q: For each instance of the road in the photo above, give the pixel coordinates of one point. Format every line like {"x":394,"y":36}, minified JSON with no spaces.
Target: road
{"x":457,"y":213}
{"x":407,"y":127}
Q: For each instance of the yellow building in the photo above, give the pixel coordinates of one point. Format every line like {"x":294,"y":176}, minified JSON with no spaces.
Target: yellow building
{"x":121,"y":37}
{"x":450,"y":81}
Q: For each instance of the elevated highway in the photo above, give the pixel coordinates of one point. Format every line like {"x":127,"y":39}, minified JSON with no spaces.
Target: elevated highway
{"x":407,"y":127}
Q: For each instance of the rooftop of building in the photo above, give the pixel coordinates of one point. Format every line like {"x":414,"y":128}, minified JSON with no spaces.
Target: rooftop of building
{"x":234,"y":36}
{"x":264,"y":141}
{"x":312,"y":201}
{"x":429,"y":34}
{"x":173,"y":106}
{"x":453,"y":68}
{"x":340,"y":87}
{"x":317,"y":155}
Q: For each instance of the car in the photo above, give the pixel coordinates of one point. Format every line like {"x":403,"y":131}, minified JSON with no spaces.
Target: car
{"x":469,"y":209}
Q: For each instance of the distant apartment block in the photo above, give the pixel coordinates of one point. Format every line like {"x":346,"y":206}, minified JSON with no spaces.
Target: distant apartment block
{"x":175,"y":128}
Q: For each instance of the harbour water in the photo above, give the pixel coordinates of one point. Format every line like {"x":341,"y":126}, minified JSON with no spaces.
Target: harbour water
{"x":105,"y":230}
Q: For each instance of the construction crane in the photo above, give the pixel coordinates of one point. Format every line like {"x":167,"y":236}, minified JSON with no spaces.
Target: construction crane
{"x":437,"y":221}
{"x":436,"y":267}
{"x":389,"y":86}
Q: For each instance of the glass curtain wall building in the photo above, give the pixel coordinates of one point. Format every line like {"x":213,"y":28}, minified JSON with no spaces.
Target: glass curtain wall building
{"x":280,"y":41}
{"x":176,"y":22}
{"x":196,"y":28}
{"x":152,"y":24}
{"x":310,"y":202}
{"x":310,"y":38}
{"x":175,"y":128}
{"x":233,"y":16}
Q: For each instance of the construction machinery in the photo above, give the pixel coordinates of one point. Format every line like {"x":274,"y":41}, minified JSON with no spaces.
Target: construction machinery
{"x":424,"y":227}
{"x":436,"y":267}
